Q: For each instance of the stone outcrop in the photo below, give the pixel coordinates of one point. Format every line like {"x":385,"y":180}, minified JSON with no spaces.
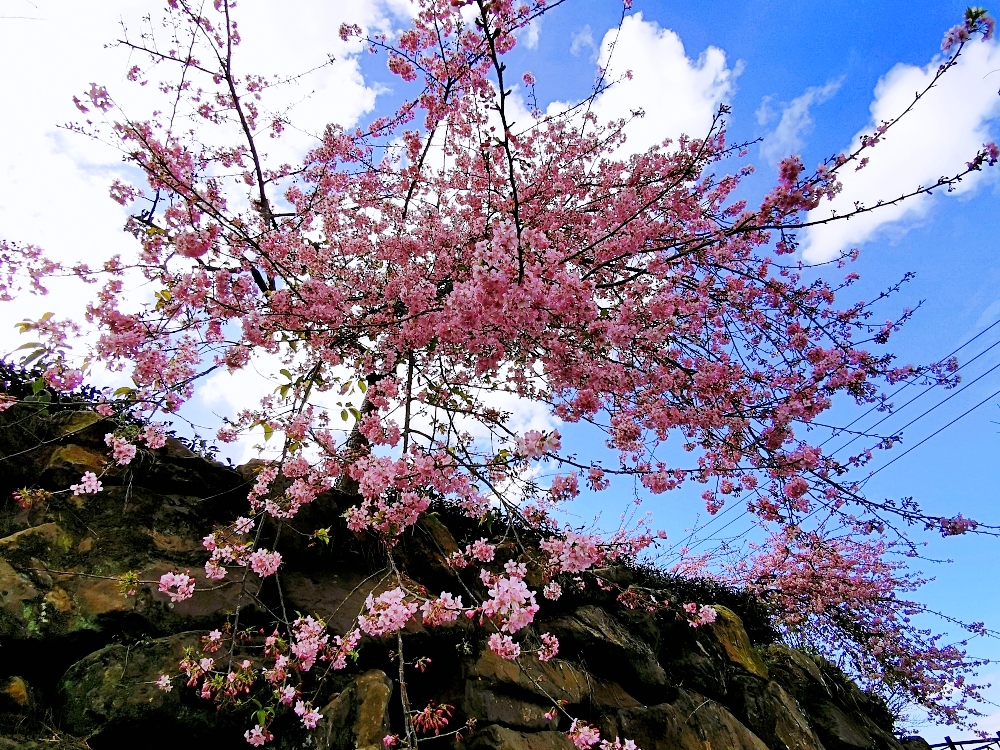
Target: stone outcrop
{"x":80,"y":659}
{"x":359,"y":716}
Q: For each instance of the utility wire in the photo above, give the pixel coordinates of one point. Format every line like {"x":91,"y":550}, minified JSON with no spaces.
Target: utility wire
{"x":921,"y":395}
{"x":911,"y":382}
{"x":992,"y":346}
{"x":936,"y":432}
{"x":872,"y":474}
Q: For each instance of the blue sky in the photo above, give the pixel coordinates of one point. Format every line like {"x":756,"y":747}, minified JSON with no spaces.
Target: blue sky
{"x":804,"y":76}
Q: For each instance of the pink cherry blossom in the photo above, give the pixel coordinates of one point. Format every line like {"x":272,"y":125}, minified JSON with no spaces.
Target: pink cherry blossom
{"x":550,"y":647}
{"x":258,"y":736}
{"x":511,"y":602}
{"x":310,"y":716}
{"x":154,"y":435}
{"x":504,"y":646}
{"x":583,"y":735}
{"x":88,"y":485}
{"x":178,"y":586}
{"x":264,"y":563}
{"x":573,"y":552}
{"x":387,"y":613}
{"x":121,"y":450}
{"x":441,"y":611}
{"x":481,"y":550}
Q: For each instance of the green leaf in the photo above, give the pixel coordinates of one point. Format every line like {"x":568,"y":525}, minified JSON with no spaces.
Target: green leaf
{"x":37,"y":385}
{"x":32,"y":345}
{"x":343,"y":414}
{"x":268,"y":431}
{"x":363,"y":385}
{"x":124,"y":391}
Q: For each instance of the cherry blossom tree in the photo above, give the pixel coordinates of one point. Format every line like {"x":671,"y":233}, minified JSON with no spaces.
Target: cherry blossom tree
{"x":444,"y":255}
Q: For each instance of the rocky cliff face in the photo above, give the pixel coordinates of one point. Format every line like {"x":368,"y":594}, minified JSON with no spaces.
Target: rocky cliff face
{"x":79,"y":658}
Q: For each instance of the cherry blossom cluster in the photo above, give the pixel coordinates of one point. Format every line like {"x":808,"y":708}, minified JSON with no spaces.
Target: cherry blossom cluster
{"x":478,"y":551}
{"x":699,"y":615}
{"x":88,"y":485}
{"x":441,"y":611}
{"x":387,"y":613}
{"x":585,"y":736}
{"x":646,"y":298}
{"x":122,"y":451}
{"x":511,"y":603}
{"x":178,"y":586}
{"x":977,"y":21}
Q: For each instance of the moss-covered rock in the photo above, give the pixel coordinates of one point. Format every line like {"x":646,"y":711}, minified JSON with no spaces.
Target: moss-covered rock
{"x":91,"y":654}
{"x":729,"y":633}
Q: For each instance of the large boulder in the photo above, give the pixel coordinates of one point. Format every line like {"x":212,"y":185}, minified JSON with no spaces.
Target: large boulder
{"x":500,"y":738}
{"x":358,"y":718}
{"x":691,"y":722}
{"x":115,"y":689}
{"x":773,"y":715}
{"x":612,"y":651}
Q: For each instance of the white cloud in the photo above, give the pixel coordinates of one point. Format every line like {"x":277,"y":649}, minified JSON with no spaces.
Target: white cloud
{"x":764,"y":112}
{"x":55,"y":188}
{"x":529,"y":36}
{"x":679,"y":95}
{"x":583,"y":39}
{"x":796,"y":121}
{"x":941,"y":134}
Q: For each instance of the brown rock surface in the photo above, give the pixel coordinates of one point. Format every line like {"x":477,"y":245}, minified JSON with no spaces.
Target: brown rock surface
{"x":91,"y":655}
{"x":358,"y":718}
{"x":116,"y":685}
{"x":556,"y":679}
{"x":692,"y":722}
{"x":501,"y":738}
{"x":490,"y":707}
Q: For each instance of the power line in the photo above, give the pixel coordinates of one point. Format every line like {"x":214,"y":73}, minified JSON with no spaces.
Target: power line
{"x":884,"y":466}
{"x":715,"y":519}
{"x":921,"y":416}
{"x":936,"y":432}
{"x":708,"y":523}
{"x":918,"y":396}
{"x":911,"y":382}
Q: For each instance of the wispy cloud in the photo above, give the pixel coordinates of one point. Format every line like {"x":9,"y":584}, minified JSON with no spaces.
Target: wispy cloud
{"x":529,"y":35}
{"x":796,"y":122}
{"x":583,"y":40}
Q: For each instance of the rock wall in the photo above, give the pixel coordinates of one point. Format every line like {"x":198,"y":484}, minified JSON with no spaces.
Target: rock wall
{"x":79,"y":658}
